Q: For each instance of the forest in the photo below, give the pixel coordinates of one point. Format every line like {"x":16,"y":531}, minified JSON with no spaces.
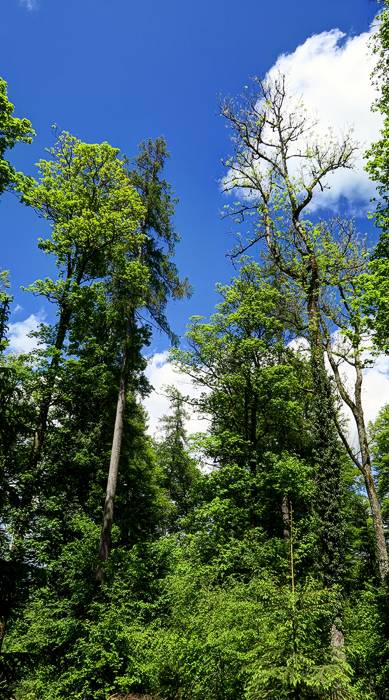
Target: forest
{"x":245,"y":562}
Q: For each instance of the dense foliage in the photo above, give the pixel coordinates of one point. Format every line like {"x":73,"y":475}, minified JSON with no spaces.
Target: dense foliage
{"x":249,"y":561}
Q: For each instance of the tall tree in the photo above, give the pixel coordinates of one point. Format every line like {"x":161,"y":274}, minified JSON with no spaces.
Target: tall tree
{"x":94,"y":214}
{"x":269,"y":135}
{"x":158,"y":282}
{"x":255,"y":389}
{"x":281,"y":165}
{"x":179,"y":469}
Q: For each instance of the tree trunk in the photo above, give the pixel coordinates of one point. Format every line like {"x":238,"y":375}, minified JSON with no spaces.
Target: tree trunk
{"x":285,"y":511}
{"x":41,"y":429}
{"x":325,"y":447}
{"x":380,"y":541}
{"x":105,"y":538}
{"x":375,"y":506}
{"x":363,"y":461}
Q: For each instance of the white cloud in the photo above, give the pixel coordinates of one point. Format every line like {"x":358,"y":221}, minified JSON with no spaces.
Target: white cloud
{"x":29,"y":4}
{"x":161,"y":374}
{"x":332,"y":74}
{"x":376,"y":387}
{"x":375,"y":391}
{"x":19,"y":334}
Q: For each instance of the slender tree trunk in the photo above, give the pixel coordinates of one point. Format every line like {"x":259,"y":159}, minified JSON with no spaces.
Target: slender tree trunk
{"x":105,"y":538}
{"x":366,"y":468}
{"x":375,"y":506}
{"x":364,"y":461}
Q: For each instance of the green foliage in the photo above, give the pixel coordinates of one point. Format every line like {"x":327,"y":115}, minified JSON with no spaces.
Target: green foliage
{"x":12,"y":130}
{"x":95,"y":215}
{"x":179,"y":470}
{"x":374,"y":286}
{"x":241,"y":562}
{"x":380,"y":437}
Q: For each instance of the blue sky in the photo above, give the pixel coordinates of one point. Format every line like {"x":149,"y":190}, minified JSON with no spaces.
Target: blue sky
{"x":124,"y":71}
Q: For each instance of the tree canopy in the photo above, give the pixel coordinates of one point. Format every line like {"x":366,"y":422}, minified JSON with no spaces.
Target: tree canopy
{"x":249,"y":560}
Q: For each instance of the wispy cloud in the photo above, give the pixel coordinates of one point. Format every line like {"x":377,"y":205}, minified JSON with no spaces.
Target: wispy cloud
{"x":29,"y":4}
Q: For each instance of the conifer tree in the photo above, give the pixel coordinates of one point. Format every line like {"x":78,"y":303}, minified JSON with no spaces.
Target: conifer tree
{"x":157,"y":281}
{"x":179,"y":470}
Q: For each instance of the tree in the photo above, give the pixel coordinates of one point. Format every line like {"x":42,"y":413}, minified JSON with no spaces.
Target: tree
{"x":12,"y":131}
{"x":352,"y":347}
{"x":180,"y":472}
{"x":157,"y":282}
{"x":281,"y":164}
{"x":374,"y":285}
{"x":379,"y":435}
{"x":94,"y":215}
{"x":270,"y":135}
{"x":256,"y":395}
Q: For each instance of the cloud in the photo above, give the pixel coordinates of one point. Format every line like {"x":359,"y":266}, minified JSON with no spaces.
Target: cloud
{"x":29,"y":4}
{"x":19,"y":334}
{"x":375,"y":390}
{"x":375,"y":385}
{"x":161,"y":373}
{"x":330,"y":74}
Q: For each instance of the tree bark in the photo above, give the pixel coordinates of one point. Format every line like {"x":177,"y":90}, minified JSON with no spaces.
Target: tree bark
{"x":285,"y":511}
{"x":105,"y":537}
{"x":380,"y":541}
{"x":364,"y":462}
